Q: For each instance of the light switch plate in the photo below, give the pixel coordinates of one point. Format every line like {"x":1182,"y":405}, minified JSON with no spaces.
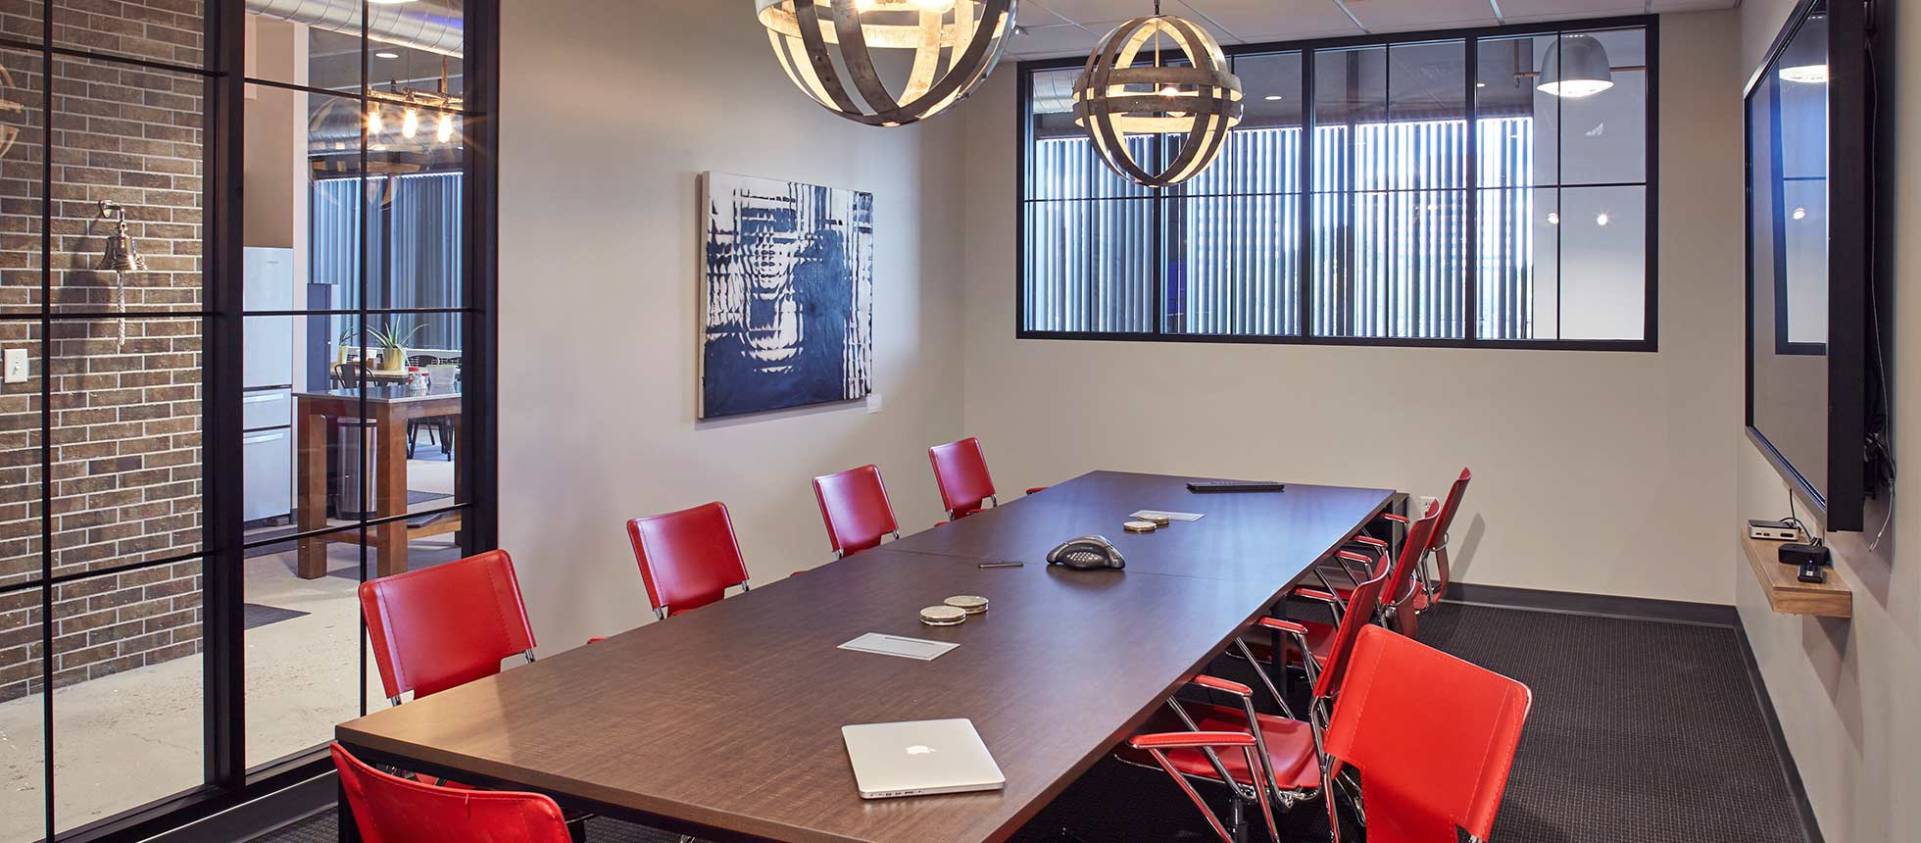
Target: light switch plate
{"x":16,"y":360}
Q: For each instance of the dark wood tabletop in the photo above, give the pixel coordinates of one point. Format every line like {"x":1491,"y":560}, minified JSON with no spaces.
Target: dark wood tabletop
{"x":726,"y":721}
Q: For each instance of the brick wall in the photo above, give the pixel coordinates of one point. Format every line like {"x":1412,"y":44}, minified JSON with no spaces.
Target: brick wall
{"x":126,"y":393}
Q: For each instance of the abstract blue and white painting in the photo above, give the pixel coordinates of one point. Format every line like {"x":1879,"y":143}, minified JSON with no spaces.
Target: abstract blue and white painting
{"x":787,"y":291}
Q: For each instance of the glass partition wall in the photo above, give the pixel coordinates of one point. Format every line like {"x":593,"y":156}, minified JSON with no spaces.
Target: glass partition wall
{"x":245,"y":289}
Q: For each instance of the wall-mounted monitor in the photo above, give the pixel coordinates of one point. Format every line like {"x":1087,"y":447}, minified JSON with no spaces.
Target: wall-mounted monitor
{"x":1812,"y":354}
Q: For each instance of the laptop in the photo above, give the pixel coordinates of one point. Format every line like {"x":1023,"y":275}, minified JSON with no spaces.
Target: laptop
{"x":919,"y":758}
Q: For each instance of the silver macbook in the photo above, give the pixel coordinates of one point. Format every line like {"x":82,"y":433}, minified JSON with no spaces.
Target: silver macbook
{"x":920,"y":757}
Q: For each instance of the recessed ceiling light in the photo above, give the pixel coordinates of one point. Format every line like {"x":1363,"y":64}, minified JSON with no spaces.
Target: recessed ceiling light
{"x":1480,"y":84}
{"x":1273,"y":97}
{"x":386,"y":54}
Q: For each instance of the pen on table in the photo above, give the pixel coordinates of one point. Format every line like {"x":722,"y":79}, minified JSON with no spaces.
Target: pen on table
{"x":1002,"y":564}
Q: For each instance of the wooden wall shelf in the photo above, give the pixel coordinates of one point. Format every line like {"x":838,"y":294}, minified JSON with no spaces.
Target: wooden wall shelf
{"x":1790,"y":596}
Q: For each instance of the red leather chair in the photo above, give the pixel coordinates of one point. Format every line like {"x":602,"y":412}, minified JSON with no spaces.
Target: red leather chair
{"x":960,"y":471}
{"x":1433,"y":737}
{"x":1289,"y":769}
{"x":688,"y":558}
{"x":854,"y":504}
{"x":390,"y":809}
{"x":1434,"y":589}
{"x":440,"y":627}
{"x":1397,"y":601}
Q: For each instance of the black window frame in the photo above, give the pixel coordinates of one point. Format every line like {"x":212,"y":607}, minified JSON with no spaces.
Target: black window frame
{"x":228,"y":783}
{"x":1650,"y":338}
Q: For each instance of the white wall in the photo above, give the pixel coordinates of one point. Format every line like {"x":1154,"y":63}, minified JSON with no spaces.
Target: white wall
{"x":1846,"y":691}
{"x":1595,"y":472}
{"x":611,"y":109}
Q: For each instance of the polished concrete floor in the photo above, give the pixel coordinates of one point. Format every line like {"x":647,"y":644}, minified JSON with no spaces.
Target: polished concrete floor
{"x":134,"y":737}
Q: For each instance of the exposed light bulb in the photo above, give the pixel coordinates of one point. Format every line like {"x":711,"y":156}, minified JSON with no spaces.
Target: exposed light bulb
{"x":410,"y":123}
{"x":1553,"y":218}
{"x":1800,"y":213}
{"x":445,"y":132}
{"x":375,"y":122}
{"x":933,"y":5}
{"x":1601,"y":218}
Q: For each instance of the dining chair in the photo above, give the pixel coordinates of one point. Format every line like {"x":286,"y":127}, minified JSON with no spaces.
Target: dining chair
{"x":1289,"y":748}
{"x":1432,"y":736}
{"x":1434,"y":588}
{"x":391,"y":809}
{"x":1403,"y":588}
{"x":854,"y":504}
{"x":688,"y":559}
{"x":960,"y":472}
{"x":441,"y":627}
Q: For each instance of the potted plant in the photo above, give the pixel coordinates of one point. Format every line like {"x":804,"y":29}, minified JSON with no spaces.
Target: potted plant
{"x":351,"y":335}
{"x":393,"y":351}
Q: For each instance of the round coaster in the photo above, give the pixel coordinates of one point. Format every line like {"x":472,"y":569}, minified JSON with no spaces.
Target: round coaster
{"x":943,"y":616}
{"x":1140,"y":526}
{"x":970,"y":603}
{"x":1159,"y":520}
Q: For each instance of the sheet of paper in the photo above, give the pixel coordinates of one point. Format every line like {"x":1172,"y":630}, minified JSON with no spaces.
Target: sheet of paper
{"x":1171,"y":516}
{"x":894,"y":645}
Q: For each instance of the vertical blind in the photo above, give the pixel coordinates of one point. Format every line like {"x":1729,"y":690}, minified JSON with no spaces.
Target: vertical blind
{"x":1390,"y":260}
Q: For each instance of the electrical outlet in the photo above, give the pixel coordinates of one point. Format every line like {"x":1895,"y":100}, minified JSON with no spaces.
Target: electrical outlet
{"x":1421,"y":505}
{"x":16,"y":363}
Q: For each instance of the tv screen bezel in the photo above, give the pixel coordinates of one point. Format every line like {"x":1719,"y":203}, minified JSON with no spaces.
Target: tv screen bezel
{"x":1838,"y":504}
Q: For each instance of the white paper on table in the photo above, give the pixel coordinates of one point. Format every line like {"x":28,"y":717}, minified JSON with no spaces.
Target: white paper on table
{"x":1171,"y":516}
{"x":883,"y":644}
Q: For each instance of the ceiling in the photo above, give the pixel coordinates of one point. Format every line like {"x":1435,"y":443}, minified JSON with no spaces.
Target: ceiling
{"x":1073,"y":27}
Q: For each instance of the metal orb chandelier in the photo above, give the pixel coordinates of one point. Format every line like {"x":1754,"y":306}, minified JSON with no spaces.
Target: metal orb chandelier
{"x":826,"y":44}
{"x":1114,"y":97}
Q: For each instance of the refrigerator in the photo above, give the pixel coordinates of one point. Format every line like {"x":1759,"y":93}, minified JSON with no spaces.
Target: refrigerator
{"x":267,"y":364}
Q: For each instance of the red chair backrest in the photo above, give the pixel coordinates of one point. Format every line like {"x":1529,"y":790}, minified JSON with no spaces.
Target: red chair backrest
{"x":444,"y":626}
{"x":960,"y":470}
{"x":1414,"y":546}
{"x":1361,"y":604}
{"x":854,"y":505}
{"x":390,"y":809}
{"x":1449,"y":506}
{"x":1433,"y":736}
{"x":688,"y":558}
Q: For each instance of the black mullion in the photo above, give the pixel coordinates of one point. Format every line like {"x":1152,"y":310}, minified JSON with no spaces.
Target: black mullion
{"x":479,"y":340}
{"x":1560,"y":155}
{"x":122,"y":568}
{"x":223,"y":582}
{"x":360,"y":372}
{"x":1309,"y":108}
{"x":46,"y":406}
{"x":1471,"y":181}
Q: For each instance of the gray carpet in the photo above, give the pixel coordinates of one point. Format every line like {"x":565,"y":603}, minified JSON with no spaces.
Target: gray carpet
{"x":1641,"y":732}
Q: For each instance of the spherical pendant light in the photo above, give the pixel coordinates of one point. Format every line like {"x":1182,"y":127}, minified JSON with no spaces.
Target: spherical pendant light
{"x":826,"y":44}
{"x":1115,"y":97}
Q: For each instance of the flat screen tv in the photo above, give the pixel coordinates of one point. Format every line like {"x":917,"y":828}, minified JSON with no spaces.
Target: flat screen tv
{"x":1814,"y":388}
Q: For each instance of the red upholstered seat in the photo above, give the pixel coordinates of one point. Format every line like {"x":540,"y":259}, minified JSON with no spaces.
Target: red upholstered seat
{"x":687,"y":558}
{"x":445,"y":626}
{"x":855,"y":507}
{"x":1433,"y":737}
{"x":960,"y":472}
{"x":391,"y":809}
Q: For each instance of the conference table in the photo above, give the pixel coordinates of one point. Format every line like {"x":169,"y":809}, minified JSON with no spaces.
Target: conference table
{"x":725,"y":722}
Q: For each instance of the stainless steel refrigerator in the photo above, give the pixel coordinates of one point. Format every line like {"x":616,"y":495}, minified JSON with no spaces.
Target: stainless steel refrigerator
{"x":267,"y":397}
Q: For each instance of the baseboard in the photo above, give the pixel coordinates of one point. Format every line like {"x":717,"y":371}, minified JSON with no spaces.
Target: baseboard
{"x":269,"y":813}
{"x":1642,"y":608}
{"x":1810,"y":827}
